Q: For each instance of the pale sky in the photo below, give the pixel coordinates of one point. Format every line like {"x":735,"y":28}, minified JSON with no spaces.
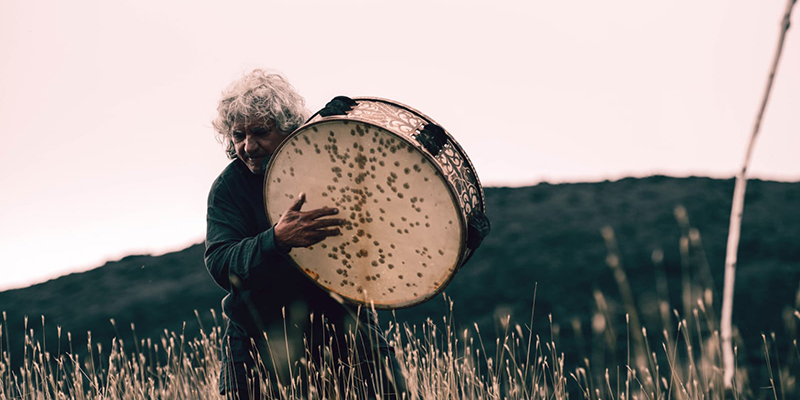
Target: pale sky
{"x":105,"y":106}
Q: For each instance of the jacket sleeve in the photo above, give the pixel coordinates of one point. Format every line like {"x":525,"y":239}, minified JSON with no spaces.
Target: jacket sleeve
{"x":234,"y":255}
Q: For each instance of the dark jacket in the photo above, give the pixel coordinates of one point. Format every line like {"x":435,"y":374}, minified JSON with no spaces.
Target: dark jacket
{"x":242,"y":258}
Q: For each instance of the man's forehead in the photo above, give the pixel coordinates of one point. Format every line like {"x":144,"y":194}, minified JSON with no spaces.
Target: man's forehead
{"x":244,"y":122}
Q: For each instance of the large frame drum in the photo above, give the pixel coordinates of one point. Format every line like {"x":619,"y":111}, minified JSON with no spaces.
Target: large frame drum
{"x":411,"y":200}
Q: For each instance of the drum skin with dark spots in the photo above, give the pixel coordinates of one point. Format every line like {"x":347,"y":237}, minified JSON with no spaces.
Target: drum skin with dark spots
{"x":407,"y":191}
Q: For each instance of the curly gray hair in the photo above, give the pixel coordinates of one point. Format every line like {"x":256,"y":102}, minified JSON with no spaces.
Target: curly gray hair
{"x":258,"y":95}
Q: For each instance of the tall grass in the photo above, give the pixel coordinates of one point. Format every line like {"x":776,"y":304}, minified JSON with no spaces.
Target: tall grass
{"x":439,"y":361}
{"x":443,"y":360}
{"x":171,"y":368}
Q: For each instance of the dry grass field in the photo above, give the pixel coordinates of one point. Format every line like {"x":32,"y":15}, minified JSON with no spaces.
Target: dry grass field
{"x":439,"y":362}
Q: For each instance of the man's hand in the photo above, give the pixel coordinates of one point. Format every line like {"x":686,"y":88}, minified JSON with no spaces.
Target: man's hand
{"x":304,"y":228}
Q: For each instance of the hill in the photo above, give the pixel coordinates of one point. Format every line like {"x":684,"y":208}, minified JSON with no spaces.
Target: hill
{"x":546,"y":234}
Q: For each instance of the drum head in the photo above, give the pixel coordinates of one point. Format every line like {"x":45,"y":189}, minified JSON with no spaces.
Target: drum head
{"x":403,"y":235}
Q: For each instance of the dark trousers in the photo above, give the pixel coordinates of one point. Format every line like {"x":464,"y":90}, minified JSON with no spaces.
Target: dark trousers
{"x":357,"y":362}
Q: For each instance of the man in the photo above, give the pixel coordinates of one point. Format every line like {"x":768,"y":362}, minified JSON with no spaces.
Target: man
{"x":282,"y":329}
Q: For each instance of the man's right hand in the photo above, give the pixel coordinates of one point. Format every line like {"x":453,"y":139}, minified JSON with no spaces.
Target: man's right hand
{"x":298,"y":228}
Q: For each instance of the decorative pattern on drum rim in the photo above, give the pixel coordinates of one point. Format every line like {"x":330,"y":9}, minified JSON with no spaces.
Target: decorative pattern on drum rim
{"x":387,"y":116}
{"x":460,"y":175}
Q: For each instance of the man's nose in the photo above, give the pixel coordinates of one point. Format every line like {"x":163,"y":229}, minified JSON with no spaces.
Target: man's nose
{"x":250,"y":144}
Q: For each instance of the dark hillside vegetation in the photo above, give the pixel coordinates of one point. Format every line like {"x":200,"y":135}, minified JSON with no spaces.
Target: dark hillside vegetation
{"x":546,"y":234}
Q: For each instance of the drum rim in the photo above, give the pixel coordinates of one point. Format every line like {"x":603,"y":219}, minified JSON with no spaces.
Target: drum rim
{"x":462,"y":218}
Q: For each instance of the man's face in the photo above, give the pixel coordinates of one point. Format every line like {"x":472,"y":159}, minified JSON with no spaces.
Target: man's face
{"x":256,"y":142}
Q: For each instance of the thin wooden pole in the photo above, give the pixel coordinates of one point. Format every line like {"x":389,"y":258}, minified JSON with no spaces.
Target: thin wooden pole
{"x":737,"y":208}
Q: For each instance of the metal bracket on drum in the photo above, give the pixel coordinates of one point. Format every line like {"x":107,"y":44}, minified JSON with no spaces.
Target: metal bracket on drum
{"x":339,"y":105}
{"x":432,"y":137}
{"x":478,"y":227}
